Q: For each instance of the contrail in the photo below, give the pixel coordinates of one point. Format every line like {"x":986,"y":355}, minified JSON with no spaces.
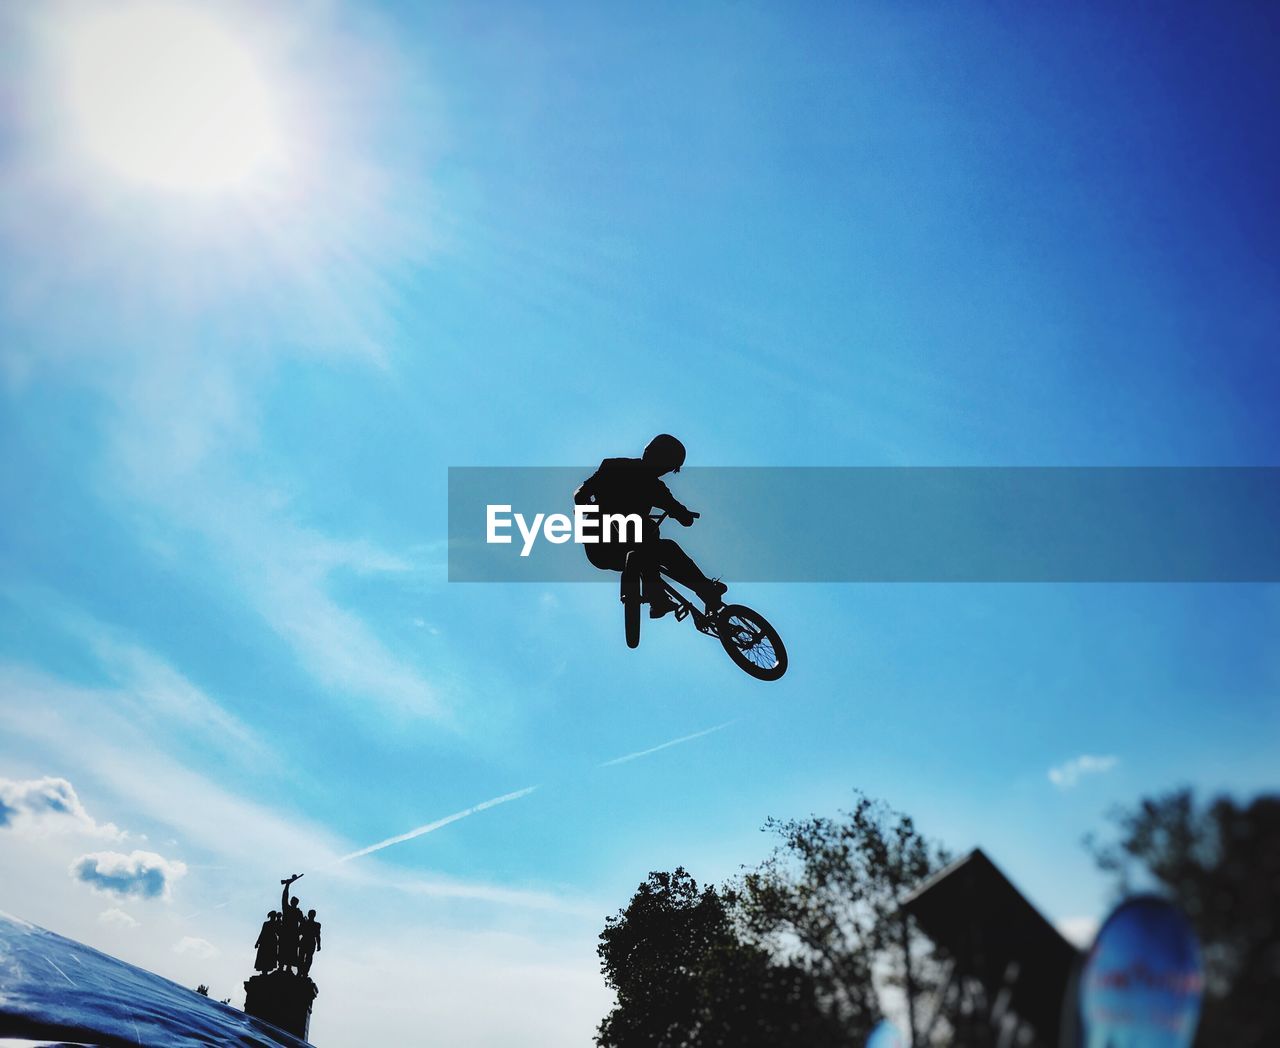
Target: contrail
{"x":433,"y":826}
{"x":662,"y":746}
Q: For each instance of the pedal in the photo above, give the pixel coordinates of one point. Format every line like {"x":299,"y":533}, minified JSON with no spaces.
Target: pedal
{"x":682,"y":612}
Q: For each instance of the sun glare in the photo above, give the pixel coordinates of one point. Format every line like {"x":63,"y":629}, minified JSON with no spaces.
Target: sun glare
{"x":167,"y":95}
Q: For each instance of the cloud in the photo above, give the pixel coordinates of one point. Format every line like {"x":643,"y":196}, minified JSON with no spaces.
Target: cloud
{"x":300,"y":274}
{"x":431,"y":827}
{"x":116,"y":918}
{"x":138,"y":875}
{"x":232,"y":831}
{"x":1068,"y":774}
{"x":48,"y":804}
{"x":1079,"y":931}
{"x":184,"y":798}
{"x":162,"y":691}
{"x":664,"y":745}
{"x":196,"y":947}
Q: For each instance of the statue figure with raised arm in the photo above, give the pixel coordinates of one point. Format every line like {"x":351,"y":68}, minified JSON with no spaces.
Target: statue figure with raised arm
{"x":290,"y":925}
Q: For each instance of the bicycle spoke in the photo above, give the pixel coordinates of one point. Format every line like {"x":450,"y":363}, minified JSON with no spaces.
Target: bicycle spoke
{"x":751,"y":641}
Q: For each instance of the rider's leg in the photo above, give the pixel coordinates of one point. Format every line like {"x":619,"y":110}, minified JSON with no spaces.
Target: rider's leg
{"x":606,"y":556}
{"x":651,"y":572}
{"x":681,"y":567}
{"x":654,"y":592}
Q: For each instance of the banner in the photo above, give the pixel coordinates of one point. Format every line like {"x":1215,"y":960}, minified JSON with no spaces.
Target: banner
{"x":910,"y":524}
{"x":1143,"y":979}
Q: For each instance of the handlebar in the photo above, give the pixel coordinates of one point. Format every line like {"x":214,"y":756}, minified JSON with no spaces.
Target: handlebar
{"x":660,"y":517}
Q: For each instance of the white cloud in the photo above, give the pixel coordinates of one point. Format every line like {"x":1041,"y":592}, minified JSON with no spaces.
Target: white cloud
{"x":117,"y":918}
{"x":56,"y":718}
{"x":138,"y":875}
{"x":48,"y":805}
{"x":196,"y":947}
{"x":1069,"y":773}
{"x":1079,"y":931}
{"x":234,"y":832}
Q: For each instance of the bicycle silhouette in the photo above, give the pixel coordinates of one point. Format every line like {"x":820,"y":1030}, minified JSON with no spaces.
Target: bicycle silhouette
{"x":750,"y":641}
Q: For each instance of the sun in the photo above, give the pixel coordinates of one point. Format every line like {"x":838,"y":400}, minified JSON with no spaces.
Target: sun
{"x":167,"y":95}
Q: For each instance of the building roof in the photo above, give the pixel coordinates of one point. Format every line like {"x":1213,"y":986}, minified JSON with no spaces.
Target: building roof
{"x":982,"y":922}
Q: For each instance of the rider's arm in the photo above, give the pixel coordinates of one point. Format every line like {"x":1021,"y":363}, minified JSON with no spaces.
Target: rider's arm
{"x":586,"y":493}
{"x":664,"y":500}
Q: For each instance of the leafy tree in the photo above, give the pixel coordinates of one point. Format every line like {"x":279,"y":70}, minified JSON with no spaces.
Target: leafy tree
{"x":1221,"y":864}
{"x":684,"y":977}
{"x":829,"y":902}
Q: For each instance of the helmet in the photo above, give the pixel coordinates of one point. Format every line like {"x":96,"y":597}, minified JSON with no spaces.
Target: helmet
{"x":665,"y":453}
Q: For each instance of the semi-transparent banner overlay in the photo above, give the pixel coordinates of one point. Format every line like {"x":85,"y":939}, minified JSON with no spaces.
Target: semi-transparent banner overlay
{"x":815,"y":524}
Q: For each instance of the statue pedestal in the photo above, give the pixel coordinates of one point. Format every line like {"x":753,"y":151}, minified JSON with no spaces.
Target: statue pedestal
{"x":282,"y":999}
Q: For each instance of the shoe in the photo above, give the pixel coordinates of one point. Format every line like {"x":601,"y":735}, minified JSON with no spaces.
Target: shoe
{"x":660,"y":607}
{"x":713,"y":593}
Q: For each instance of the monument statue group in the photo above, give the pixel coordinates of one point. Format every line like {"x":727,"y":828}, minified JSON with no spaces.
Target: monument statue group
{"x":288,"y":940}
{"x":282,"y":992}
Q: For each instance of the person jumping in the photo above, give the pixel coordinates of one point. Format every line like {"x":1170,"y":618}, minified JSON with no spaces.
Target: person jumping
{"x":635,"y":486}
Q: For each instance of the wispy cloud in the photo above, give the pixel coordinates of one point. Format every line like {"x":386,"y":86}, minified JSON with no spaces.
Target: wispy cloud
{"x":163,"y":692}
{"x":52,"y":717}
{"x":301,"y":273}
{"x":196,"y":947}
{"x":1069,"y":773}
{"x":238,"y":833}
{"x":431,"y":827}
{"x":665,"y":745}
{"x":117,"y":918}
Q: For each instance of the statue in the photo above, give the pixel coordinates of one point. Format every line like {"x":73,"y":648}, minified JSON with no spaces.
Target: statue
{"x":268,"y":944}
{"x":288,"y":941}
{"x":290,"y":925}
{"x":308,"y":942}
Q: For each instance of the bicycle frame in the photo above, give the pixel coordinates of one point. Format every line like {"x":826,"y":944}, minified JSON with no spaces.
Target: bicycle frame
{"x":740,"y":629}
{"x":684,"y":607}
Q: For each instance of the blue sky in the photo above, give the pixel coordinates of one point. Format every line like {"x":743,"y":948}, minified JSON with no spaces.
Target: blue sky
{"x":794,"y":235}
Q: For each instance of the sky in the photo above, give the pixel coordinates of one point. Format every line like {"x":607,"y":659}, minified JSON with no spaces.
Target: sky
{"x":267,"y":271}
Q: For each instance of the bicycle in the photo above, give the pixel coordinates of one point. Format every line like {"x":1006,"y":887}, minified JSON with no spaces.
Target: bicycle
{"x":746,"y":636}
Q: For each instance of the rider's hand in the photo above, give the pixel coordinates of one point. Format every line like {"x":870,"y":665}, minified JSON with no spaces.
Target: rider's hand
{"x":688,"y":518}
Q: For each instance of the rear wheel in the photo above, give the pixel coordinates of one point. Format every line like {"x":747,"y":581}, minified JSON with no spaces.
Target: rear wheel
{"x":631,"y":599}
{"x":751,"y":642}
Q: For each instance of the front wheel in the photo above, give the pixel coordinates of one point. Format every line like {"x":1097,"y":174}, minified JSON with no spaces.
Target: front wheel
{"x":751,"y":642}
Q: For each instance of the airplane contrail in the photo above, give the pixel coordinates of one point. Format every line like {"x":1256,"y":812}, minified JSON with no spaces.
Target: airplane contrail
{"x":664,"y":745}
{"x":432,"y":826}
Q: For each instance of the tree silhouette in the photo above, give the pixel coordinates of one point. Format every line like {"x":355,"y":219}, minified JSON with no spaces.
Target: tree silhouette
{"x":829,"y":902}
{"x":797,"y":951}
{"x":684,"y":977}
{"x":1221,"y":864}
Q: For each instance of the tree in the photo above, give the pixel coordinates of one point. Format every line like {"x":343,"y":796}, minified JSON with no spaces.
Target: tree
{"x":829,"y":902}
{"x":684,"y":977}
{"x":1221,"y":864}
